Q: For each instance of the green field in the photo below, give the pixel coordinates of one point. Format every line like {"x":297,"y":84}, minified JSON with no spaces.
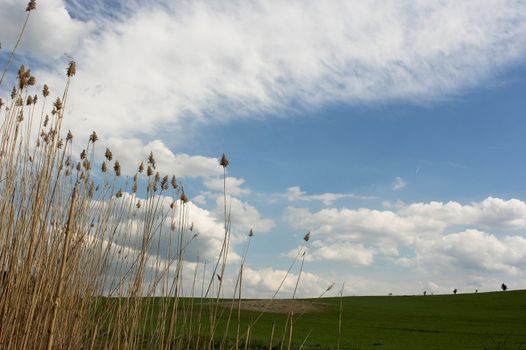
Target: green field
{"x":465,"y":321}
{"x":494,"y":320}
{"x":470,"y":321}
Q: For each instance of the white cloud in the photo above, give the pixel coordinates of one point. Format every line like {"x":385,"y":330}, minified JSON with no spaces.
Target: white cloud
{"x":51,"y":31}
{"x":295,"y":194}
{"x":473,"y":250}
{"x":355,"y":254}
{"x":243,"y":216}
{"x":241,"y":59}
{"x":398,"y":183}
{"x":491,"y":212}
{"x":130,"y":151}
{"x":233,"y":185}
{"x":419,"y":235}
{"x":361,"y":225}
{"x":265,"y":282}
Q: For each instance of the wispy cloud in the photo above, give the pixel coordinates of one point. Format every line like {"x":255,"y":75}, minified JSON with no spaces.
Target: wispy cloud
{"x":398,"y":183}
{"x":237,"y":59}
{"x":295,"y":194}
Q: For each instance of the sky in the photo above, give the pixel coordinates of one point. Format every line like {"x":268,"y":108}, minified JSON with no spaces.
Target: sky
{"x":392,"y":131}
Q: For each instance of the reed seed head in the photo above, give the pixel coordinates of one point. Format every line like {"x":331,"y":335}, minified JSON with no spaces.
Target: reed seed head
{"x":72,"y":69}
{"x":93,"y":137}
{"x":224,"y":161}
{"x":134,"y":187}
{"x":174,"y":182}
{"x":31,"y":81}
{"x":87,"y":165}
{"x":250,"y":233}
{"x":69,"y":136}
{"x":1,"y":102}
{"x":45,"y":91}
{"x":117,"y":168}
{"x":22,"y":82}
{"x":306,"y":237}
{"x":29,"y":100}
{"x":149,"y":171}
{"x":13,"y":93}
{"x":138,"y":205}
{"x":164,"y":182}
{"x":184,"y":198}
{"x":108,"y":154}
{"x":22,"y":71}
{"x":119,"y":193}
{"x":83,"y":154}
{"x":104,"y":168}
{"x":151,"y":160}
{"x":141,"y":167}
{"x":31,"y":5}
{"x":58,"y":104}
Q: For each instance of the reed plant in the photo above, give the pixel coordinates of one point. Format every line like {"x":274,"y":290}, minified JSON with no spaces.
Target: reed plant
{"x":81,"y":255}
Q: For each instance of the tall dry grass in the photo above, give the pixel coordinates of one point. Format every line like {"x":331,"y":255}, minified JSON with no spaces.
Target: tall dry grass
{"x":80,"y":250}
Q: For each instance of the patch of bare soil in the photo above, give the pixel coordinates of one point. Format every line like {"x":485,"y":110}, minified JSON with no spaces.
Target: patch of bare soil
{"x":279,"y":306}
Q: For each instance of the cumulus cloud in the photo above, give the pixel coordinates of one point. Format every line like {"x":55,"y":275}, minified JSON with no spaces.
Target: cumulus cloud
{"x":266,"y":281}
{"x":423,"y":232}
{"x":130,"y":151}
{"x":356,"y":254}
{"x":233,"y":185}
{"x":361,"y":224}
{"x":243,"y":216}
{"x":474,"y":250}
{"x":202,"y":242}
{"x":491,"y":212}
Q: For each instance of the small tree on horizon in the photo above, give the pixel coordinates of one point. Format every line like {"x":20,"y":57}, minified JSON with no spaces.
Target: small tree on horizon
{"x":455,"y":291}
{"x":503,"y":287}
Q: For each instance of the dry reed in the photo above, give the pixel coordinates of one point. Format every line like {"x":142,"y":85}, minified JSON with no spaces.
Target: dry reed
{"x":81,"y":257}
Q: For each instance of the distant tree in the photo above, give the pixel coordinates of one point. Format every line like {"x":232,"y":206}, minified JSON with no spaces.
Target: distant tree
{"x":455,"y":291}
{"x":425,"y":292}
{"x":476,"y":290}
{"x":503,"y":287}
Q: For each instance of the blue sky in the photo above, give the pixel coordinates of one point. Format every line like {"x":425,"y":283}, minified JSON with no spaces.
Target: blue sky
{"x":394,"y":134}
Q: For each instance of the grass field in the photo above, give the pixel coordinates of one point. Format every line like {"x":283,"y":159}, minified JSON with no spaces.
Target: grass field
{"x":494,"y":320}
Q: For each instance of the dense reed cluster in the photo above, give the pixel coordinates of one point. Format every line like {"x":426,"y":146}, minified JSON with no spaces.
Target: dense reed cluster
{"x":91,"y":258}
